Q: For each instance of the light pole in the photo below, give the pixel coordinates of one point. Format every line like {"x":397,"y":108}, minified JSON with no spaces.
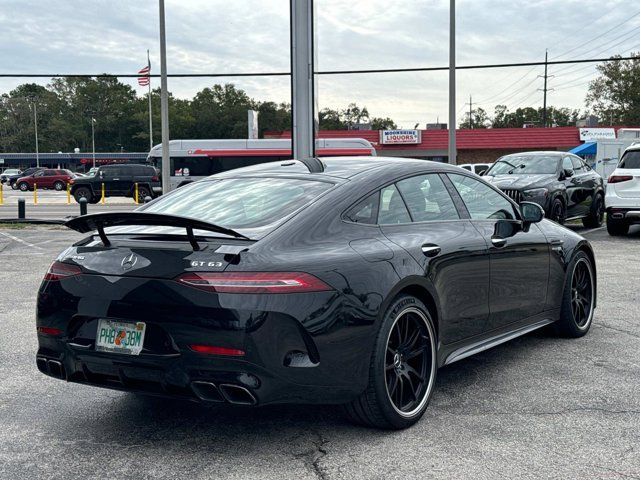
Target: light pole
{"x":35,"y":124}
{"x":164,"y":104}
{"x":93,"y":140}
{"x":452,"y":83}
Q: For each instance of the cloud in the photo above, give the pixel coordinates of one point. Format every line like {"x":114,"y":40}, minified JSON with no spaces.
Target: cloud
{"x":213,"y":36}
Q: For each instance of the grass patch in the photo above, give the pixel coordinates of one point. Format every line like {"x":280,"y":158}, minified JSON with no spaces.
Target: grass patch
{"x":14,"y":226}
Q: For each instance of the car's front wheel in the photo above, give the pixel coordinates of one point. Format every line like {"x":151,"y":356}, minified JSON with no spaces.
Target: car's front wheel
{"x":24,"y":186}
{"x":14,"y":186}
{"x":579,"y":297}
{"x":59,"y":186}
{"x":557,"y":212}
{"x":81,"y":193}
{"x":403,"y":368}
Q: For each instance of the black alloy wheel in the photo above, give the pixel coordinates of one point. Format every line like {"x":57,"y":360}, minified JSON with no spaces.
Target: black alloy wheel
{"x":408,"y":362}
{"x":557,"y":213}
{"x":596,"y":215}
{"x":403,"y":368}
{"x":59,"y":186}
{"x":24,"y":186}
{"x":579,"y":297}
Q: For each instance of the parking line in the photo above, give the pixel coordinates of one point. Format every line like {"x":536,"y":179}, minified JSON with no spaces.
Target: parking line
{"x":16,"y":239}
{"x":592,"y":230}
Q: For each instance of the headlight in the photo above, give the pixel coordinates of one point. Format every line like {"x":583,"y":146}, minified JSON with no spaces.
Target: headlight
{"x":535,"y":192}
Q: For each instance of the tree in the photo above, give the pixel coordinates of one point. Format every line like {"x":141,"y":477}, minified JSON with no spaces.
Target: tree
{"x":615,"y":94}
{"x":479,"y":117}
{"x":386,"y":123}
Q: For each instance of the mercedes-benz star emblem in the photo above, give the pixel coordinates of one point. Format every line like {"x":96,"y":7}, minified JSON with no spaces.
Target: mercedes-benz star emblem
{"x":129,"y":261}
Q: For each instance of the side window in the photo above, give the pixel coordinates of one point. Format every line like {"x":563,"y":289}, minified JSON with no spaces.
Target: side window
{"x":109,"y":172}
{"x":392,"y":208}
{"x":567,"y":164}
{"x":578,"y":166}
{"x":467,"y":167}
{"x":365,"y":211}
{"x":49,"y":173}
{"x":427,"y":198}
{"x":482,"y":201}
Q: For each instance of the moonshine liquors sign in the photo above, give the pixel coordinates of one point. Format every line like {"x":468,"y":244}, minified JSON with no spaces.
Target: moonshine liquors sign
{"x":400,"y":137}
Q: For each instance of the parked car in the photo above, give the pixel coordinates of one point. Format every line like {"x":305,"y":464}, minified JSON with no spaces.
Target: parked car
{"x":4,"y":176}
{"x":47,"y":178}
{"x":623,"y":193}
{"x":118,"y":181}
{"x":13,"y":179}
{"x":561,"y":183}
{"x":477,"y":168}
{"x":341,"y":281}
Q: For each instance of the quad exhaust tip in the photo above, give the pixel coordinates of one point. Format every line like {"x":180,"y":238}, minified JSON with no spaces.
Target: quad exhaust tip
{"x":235,"y":394}
{"x":51,"y":367}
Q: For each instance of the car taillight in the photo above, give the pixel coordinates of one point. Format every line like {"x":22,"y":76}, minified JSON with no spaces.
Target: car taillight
{"x":619,"y":178}
{"x":71,"y":181}
{"x":59,"y":270}
{"x":211,"y":350}
{"x":49,"y":331}
{"x":254,"y":282}
{"x":155,"y":179}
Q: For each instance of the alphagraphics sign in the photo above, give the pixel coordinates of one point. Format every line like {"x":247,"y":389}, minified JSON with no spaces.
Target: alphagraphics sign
{"x":591,"y":134}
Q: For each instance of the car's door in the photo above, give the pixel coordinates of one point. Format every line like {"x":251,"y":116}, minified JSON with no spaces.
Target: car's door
{"x":519,"y":263}
{"x":111,"y":177}
{"x":419,"y":214}
{"x":47,"y":179}
{"x":572,"y":180}
{"x":587,"y":182}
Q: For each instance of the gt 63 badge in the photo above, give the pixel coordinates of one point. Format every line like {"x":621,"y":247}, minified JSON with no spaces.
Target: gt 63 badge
{"x":195,"y":263}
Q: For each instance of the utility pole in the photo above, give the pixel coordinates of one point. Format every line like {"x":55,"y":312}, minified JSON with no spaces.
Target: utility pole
{"x":452,"y":82}
{"x":545,"y":89}
{"x":164,"y":104}
{"x":470,"y":112}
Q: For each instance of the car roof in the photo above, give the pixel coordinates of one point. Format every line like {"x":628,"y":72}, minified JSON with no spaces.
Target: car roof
{"x":342,"y":167}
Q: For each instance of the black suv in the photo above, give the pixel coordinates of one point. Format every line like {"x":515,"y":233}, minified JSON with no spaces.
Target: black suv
{"x":12,"y":180}
{"x":561,"y":183}
{"x":119,"y":181}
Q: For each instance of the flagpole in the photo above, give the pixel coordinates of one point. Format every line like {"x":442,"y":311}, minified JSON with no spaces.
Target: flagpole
{"x":150,"y":109}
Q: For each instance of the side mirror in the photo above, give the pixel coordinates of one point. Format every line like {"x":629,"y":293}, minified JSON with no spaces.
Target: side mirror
{"x":567,"y":172}
{"x":531,"y":212}
{"x":506,"y":228}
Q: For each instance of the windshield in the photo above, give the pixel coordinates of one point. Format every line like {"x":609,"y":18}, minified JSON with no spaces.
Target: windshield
{"x":630,"y":160}
{"x":252,"y":206}
{"x":525,"y":165}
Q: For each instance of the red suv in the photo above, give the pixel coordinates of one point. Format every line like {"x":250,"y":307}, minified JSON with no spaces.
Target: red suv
{"x":48,"y":178}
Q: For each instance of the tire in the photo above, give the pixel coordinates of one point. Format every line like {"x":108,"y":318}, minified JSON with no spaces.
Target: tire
{"x":578,"y":298}
{"x":58,"y":186}
{"x":558,"y":212}
{"x":143,"y":192}
{"x":14,"y":186}
{"x":596,"y":215}
{"x":617,"y":228}
{"x":23,"y":186}
{"x":395,"y":398}
{"x":83,"y":192}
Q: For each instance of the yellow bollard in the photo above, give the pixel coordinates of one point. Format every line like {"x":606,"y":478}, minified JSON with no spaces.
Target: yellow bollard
{"x":135,"y":193}
{"x":35,"y":193}
{"x":68,"y":194}
{"x":1,"y":194}
{"x":102,"y":199}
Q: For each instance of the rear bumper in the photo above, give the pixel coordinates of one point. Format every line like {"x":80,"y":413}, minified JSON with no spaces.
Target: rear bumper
{"x":295,"y":350}
{"x":631,"y":215}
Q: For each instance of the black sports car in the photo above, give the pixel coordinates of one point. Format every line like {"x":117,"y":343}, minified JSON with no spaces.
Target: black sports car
{"x":342,"y":281}
{"x":560,"y":182}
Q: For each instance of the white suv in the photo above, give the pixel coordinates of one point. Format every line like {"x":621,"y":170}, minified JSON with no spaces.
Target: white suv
{"x":622,"y":199}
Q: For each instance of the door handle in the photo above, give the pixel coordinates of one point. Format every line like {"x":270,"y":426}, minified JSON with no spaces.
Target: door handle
{"x":430,"y":250}
{"x":498,"y":242}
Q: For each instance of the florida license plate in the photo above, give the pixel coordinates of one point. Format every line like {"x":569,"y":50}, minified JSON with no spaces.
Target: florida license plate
{"x":120,"y":337}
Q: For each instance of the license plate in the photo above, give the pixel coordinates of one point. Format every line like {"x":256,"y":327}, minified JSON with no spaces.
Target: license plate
{"x":120,"y":337}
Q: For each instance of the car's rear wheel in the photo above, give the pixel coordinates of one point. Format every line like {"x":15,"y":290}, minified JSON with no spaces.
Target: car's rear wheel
{"x":596,"y":215}
{"x":557,"y":212}
{"x":23,"y":186}
{"x":143,"y":192}
{"x":81,"y":193}
{"x":579,"y":297}
{"x":14,"y":186}
{"x":403,"y":368}
{"x":617,"y":228}
{"x":59,"y":186}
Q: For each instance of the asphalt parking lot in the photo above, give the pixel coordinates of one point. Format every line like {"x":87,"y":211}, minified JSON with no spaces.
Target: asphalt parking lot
{"x":537,"y":407}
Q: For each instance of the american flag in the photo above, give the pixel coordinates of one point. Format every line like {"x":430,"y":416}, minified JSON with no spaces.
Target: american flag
{"x":143,"y":79}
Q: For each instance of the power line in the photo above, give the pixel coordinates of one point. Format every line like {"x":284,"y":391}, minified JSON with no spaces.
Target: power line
{"x":326,"y":72}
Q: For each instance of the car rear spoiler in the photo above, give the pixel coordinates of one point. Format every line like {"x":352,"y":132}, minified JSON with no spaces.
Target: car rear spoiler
{"x":100,"y":221}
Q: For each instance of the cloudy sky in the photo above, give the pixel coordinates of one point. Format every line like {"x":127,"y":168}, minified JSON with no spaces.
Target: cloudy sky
{"x":217,"y":36}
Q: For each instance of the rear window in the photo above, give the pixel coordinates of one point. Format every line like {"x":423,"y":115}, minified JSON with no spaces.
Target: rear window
{"x":630,"y":160}
{"x":253,"y":206}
